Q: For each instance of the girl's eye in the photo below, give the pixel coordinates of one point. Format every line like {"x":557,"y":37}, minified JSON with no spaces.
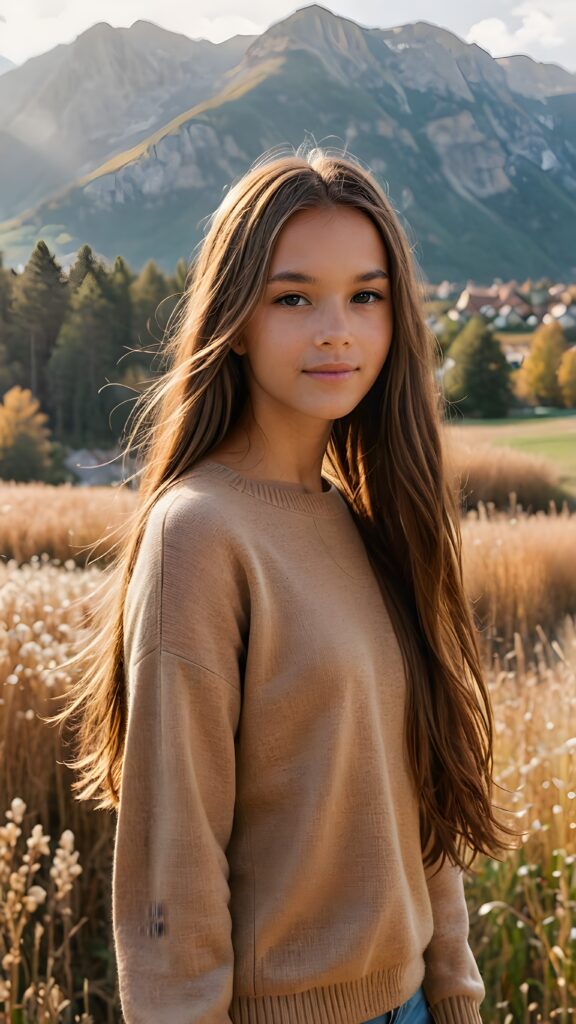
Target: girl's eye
{"x":375,"y":294}
{"x":282,"y":298}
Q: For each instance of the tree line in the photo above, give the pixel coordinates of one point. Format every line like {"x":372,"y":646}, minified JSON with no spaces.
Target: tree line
{"x":75,"y":347}
{"x":481,"y":382}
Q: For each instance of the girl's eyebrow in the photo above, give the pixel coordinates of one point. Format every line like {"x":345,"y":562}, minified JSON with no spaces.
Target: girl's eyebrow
{"x":294,"y":275}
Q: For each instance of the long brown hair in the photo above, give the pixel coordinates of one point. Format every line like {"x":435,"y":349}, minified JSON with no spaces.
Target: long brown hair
{"x":387,"y":459}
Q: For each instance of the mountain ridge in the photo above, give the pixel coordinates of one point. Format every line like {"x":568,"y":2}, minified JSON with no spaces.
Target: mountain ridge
{"x":6,"y":65}
{"x":480,"y":170}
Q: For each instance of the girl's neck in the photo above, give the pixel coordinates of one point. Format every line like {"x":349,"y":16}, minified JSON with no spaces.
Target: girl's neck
{"x":248,"y":467}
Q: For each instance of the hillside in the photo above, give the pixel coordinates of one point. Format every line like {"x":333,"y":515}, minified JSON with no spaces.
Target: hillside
{"x":66,"y":111}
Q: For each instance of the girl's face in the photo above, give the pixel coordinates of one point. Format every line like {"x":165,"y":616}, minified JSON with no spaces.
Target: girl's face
{"x":327,"y":300}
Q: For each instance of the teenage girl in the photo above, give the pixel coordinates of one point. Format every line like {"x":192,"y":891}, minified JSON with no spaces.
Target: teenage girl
{"x":285,"y":701}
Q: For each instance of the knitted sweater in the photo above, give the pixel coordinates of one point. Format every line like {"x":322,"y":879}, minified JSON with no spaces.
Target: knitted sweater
{"x":267,"y":863}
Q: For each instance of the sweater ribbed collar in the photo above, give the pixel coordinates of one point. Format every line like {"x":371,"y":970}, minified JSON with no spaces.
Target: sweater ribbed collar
{"x":276,"y":492}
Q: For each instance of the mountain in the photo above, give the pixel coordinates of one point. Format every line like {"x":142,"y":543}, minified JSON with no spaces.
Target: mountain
{"x":66,"y":111}
{"x":536,"y":80}
{"x":5,"y":65}
{"x":478,"y":156}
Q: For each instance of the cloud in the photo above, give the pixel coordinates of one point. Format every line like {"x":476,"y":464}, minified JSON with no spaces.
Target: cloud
{"x":543,"y":26}
{"x":50,"y":8}
{"x":35,"y":26}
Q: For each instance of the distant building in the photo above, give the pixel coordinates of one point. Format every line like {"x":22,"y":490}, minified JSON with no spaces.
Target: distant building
{"x":510,"y":305}
{"x":96,"y":467}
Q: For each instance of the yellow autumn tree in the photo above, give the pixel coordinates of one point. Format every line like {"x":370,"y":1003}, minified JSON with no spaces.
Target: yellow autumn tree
{"x":537,"y":379}
{"x":567,"y":377}
{"x":25,"y":448}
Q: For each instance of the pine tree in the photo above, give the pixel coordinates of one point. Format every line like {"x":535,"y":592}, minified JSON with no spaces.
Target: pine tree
{"x":11,"y":371}
{"x":120,"y":281}
{"x":479,"y":380}
{"x":6,"y":295}
{"x":40,"y":300}
{"x":83,"y":362}
{"x":84,"y":263}
{"x":178,"y":282}
{"x":149,"y":311}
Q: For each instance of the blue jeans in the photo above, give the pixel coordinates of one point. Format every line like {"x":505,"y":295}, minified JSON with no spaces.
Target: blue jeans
{"x":413,"y":1011}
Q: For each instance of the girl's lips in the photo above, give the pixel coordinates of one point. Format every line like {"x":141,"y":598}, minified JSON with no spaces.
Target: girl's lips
{"x":330,"y":374}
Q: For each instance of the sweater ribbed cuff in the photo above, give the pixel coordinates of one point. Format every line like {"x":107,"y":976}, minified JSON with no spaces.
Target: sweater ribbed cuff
{"x":456,"y":1010}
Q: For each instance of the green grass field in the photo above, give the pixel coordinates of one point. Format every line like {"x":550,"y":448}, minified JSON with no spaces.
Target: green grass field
{"x":552,"y":436}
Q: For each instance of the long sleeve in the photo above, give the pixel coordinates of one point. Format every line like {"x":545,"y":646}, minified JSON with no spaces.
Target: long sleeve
{"x":452,"y":982}
{"x":171,"y":919}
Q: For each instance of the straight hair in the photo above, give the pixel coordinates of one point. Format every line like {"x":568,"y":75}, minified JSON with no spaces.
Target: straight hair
{"x":386,"y":457}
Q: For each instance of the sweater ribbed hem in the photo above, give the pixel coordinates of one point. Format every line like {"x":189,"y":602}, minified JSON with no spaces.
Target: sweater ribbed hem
{"x":456,"y":1010}
{"x":347,"y":1002}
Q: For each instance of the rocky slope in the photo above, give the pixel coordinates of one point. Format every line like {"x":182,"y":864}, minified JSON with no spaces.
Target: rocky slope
{"x":64,"y":112}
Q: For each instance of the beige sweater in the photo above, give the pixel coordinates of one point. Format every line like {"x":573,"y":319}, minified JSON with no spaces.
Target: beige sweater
{"x":267,"y":863}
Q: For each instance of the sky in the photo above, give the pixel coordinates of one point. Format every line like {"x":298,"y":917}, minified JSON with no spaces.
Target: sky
{"x":542,"y":29}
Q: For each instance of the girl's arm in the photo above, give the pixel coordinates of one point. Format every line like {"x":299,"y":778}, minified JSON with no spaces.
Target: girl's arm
{"x":452,"y":983}
{"x":171,"y":918}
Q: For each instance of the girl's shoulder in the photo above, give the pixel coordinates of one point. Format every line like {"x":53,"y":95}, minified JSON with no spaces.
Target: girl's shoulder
{"x":188,"y":557}
{"x":193,"y":508}
{"x":190,"y":524}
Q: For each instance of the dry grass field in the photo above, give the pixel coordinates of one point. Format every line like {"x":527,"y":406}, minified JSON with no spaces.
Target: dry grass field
{"x":552,"y":438}
{"x":519,"y":560}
